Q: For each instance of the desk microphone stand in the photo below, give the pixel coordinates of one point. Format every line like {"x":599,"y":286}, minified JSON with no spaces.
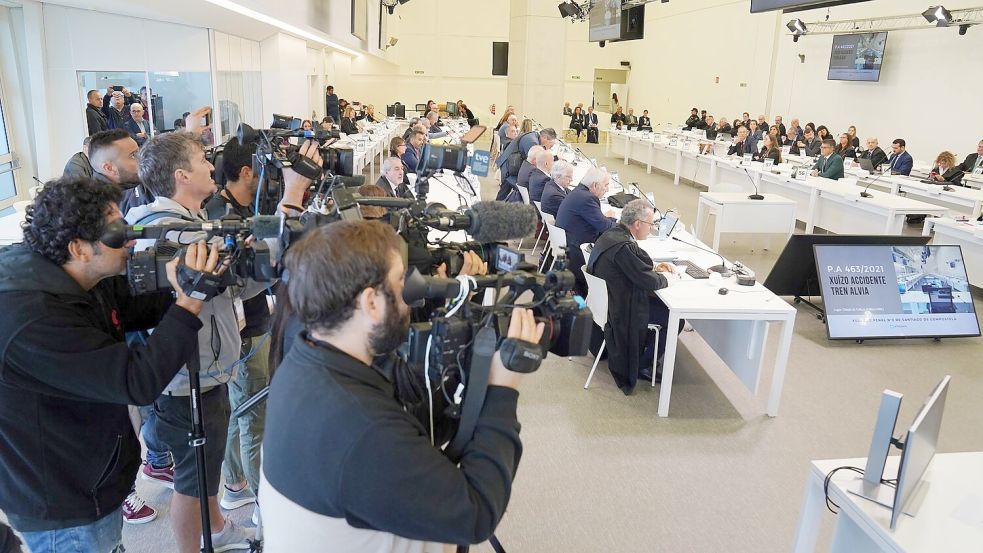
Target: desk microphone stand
{"x":196,"y":439}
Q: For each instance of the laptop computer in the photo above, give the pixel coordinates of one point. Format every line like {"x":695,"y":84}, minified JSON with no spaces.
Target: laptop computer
{"x":866,"y":165}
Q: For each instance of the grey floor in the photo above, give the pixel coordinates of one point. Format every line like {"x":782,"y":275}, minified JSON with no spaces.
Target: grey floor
{"x":602,"y":472}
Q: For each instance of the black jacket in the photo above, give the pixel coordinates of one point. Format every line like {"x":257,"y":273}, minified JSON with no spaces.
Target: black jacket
{"x":876,"y":156}
{"x":578,"y":121}
{"x":692,"y":122}
{"x":969,"y":163}
{"x":95,"y":120}
{"x":628,"y":272}
{"x":339,"y":444}
{"x":78,"y":166}
{"x":67,"y":447}
{"x":348,"y":126}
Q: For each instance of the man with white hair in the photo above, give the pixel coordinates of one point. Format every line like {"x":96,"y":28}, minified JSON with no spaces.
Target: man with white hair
{"x":392,"y":179}
{"x":528,"y":165}
{"x":632,"y":278}
{"x":512,"y":121}
{"x":510,"y":160}
{"x":138,"y":128}
{"x":581,"y":217}
{"x":540,"y":176}
{"x":557,"y":187}
{"x":874,"y":153}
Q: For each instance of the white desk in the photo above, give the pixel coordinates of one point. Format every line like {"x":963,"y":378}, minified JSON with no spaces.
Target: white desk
{"x":10,"y":231}
{"x":735,"y":212}
{"x":945,"y":521}
{"x":840,"y":209}
{"x":958,"y":198}
{"x":968,"y":235}
{"x":734,"y":325}
{"x":973,"y":180}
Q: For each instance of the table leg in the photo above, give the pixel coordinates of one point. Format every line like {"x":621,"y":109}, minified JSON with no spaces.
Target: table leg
{"x":781,"y":364}
{"x":810,"y":517}
{"x":701,"y":217}
{"x":648,"y":170}
{"x":669,"y":362}
{"x":811,"y":215}
{"x":713,"y":175}
{"x":607,"y":146}
{"x":627,"y":149}
{"x":895,"y":222}
{"x":928,"y":226}
{"x":679,"y":166}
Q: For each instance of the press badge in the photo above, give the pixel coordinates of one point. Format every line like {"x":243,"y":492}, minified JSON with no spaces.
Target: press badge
{"x":240,"y":314}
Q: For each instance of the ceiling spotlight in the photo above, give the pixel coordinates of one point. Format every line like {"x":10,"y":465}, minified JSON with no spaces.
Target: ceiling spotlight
{"x":797,"y":28}
{"x":938,"y":15}
{"x":963,"y":29}
{"x":570,"y":9}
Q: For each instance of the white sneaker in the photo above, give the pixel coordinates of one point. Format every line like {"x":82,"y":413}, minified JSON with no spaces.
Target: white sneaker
{"x":232,"y":538}
{"x":256,"y":516}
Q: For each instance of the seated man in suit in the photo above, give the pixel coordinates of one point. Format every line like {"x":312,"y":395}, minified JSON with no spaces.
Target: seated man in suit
{"x":874,"y":153}
{"x":632,"y":121}
{"x":590,"y":120}
{"x":567,"y":110}
{"x":738,"y":147}
{"x":724,"y":126}
{"x":645,"y":122}
{"x":557,"y":187}
{"x":791,"y":139}
{"x":900,"y":161}
{"x":391,"y":179}
{"x":974,"y":162}
{"x":946,"y":171}
{"x":631,"y":278}
{"x":528,"y":166}
{"x":540,"y":176}
{"x":693,"y":120}
{"x":810,"y":145}
{"x":829,"y":165}
{"x":517,"y":150}
{"x":414,"y":150}
{"x":581,"y":217}
{"x":78,"y":165}
{"x":138,"y":128}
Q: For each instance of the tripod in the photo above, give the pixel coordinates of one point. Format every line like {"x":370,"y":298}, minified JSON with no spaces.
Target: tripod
{"x":196,"y":439}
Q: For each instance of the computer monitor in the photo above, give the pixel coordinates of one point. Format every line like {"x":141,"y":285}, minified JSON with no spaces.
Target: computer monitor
{"x":667,"y":225}
{"x":452,"y":109}
{"x":919,"y":448}
{"x":396,"y":110}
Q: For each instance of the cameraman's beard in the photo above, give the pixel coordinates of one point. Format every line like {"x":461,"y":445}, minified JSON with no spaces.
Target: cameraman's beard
{"x":387,"y":336}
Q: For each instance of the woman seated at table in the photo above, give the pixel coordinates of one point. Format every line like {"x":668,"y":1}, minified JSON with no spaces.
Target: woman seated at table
{"x":754,"y":133}
{"x":945,"y":170}
{"x":397,"y":147}
{"x":370,"y":114}
{"x":770,"y":150}
{"x":822,"y":133}
{"x":348,"y":125}
{"x":845,"y":147}
{"x":577,"y":121}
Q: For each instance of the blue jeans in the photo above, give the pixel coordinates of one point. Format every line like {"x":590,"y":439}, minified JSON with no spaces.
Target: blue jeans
{"x":245,"y":437}
{"x":102,"y":536}
{"x":157,"y":453}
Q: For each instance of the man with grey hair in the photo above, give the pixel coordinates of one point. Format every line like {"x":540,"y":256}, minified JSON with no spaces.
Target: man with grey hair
{"x":409,"y":130}
{"x":135,"y":125}
{"x":510,"y":160}
{"x":632,"y":278}
{"x":528,"y":166}
{"x":392,"y":179}
{"x":581,"y":217}
{"x":557,"y":187}
{"x":433,"y":129}
{"x":175,"y":168}
{"x":540,"y":176}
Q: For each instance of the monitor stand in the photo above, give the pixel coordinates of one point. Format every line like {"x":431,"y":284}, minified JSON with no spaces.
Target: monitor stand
{"x":883,"y":495}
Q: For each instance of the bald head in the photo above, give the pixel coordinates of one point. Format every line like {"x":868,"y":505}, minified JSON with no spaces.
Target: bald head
{"x":544,"y":161}
{"x":533,"y":154}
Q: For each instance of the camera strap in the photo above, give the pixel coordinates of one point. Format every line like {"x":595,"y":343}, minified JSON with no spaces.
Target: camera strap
{"x":481,"y":358}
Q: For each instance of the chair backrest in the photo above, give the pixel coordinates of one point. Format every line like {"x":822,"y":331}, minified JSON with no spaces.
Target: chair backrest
{"x":496,"y":145}
{"x":597,"y":297}
{"x":524,"y":192}
{"x":558,"y":239}
{"x":586,"y":249}
{"x":546,"y":217}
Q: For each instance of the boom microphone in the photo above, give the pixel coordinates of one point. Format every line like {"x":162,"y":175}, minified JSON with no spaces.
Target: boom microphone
{"x":489,"y":222}
{"x":722,"y":268}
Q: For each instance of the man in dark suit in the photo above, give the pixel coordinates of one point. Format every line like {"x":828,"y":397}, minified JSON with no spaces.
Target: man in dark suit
{"x":782,"y":131}
{"x":829,"y":165}
{"x":331,"y":104}
{"x":693,"y":120}
{"x":974,"y":162}
{"x":791,"y":140}
{"x":900,"y":161}
{"x":557,"y":187}
{"x":645,"y":122}
{"x":520,"y":147}
{"x":135,"y":125}
{"x":710,"y":127}
{"x":632,"y":278}
{"x":94,"y":119}
{"x":590,"y":120}
{"x":539,"y":177}
{"x":78,"y":165}
{"x":116,"y":114}
{"x":738,"y":147}
{"x":810,"y":146}
{"x":581,"y":217}
{"x":874,"y":153}
{"x":414,"y":150}
{"x":391,"y":180}
{"x":528,"y":166}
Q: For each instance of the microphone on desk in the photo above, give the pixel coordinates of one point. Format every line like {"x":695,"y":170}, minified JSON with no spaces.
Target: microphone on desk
{"x":754,"y":196}
{"x":722,"y":268}
{"x":866,"y":194}
{"x":589,"y":160}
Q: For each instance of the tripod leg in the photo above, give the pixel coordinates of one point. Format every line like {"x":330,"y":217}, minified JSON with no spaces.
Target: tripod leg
{"x":196,"y":439}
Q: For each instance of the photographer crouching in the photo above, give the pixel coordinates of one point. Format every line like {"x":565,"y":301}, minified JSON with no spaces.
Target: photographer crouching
{"x":66,"y":373}
{"x":345,"y":467}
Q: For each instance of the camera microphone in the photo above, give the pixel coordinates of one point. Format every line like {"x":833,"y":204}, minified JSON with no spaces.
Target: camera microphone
{"x":489,"y":222}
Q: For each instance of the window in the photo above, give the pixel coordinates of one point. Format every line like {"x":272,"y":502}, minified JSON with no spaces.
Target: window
{"x":8,"y":188}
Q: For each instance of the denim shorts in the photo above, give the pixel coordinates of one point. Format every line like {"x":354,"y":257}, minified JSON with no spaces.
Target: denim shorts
{"x":102,"y":536}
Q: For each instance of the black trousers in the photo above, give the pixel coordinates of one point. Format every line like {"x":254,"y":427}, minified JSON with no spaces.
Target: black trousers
{"x":579,"y":128}
{"x":592,"y":135}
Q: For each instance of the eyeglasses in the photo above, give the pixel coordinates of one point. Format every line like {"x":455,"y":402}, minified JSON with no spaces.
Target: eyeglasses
{"x":647,"y":223}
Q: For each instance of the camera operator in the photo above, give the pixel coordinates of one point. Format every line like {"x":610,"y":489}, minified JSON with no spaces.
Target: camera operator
{"x":113,"y":155}
{"x":68,"y":449}
{"x":245,"y":435}
{"x":345,"y":467}
{"x":174,"y":167}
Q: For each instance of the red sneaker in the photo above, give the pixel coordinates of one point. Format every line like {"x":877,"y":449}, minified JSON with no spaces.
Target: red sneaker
{"x":164,"y":476}
{"x":135,"y":511}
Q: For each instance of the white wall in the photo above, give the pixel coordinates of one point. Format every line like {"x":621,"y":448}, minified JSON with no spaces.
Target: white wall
{"x":78,"y":40}
{"x":284,"y":62}
{"x":928,"y":93}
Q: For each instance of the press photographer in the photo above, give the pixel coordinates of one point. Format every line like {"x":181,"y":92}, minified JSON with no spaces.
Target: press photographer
{"x":174,"y":167}
{"x":66,"y":377}
{"x":345,"y":467}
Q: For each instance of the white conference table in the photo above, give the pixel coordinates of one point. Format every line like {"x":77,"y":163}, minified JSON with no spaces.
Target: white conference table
{"x":948,"y":519}
{"x":735,"y":325}
{"x":736,"y":212}
{"x":968,"y":235}
{"x":958,"y":198}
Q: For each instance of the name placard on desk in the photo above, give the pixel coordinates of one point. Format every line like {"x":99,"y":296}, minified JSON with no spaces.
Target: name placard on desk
{"x":746,"y":160}
{"x":801,"y":174}
{"x":769,"y":163}
{"x":674,"y":142}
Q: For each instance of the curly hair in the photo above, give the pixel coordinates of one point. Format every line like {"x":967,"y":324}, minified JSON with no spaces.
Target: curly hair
{"x":66,"y":209}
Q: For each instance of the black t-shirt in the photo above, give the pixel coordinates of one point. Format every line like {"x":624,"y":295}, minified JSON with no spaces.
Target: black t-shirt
{"x":256,"y":310}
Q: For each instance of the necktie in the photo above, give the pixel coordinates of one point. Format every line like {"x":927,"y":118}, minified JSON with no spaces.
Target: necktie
{"x":979,"y":162}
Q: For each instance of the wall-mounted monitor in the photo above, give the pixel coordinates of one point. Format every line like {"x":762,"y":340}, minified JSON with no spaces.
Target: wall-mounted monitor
{"x":605,"y":20}
{"x":758,"y":6}
{"x":895,"y":292}
{"x":857,"y":57}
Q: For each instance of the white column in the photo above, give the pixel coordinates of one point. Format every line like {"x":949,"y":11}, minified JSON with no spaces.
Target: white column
{"x":537,"y":55}
{"x":285,"y":88}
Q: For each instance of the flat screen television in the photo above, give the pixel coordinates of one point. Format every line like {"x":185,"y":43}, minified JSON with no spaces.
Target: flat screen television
{"x":758,"y":6}
{"x":605,"y":21}
{"x":857,"y":57}
{"x":878,"y":291}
